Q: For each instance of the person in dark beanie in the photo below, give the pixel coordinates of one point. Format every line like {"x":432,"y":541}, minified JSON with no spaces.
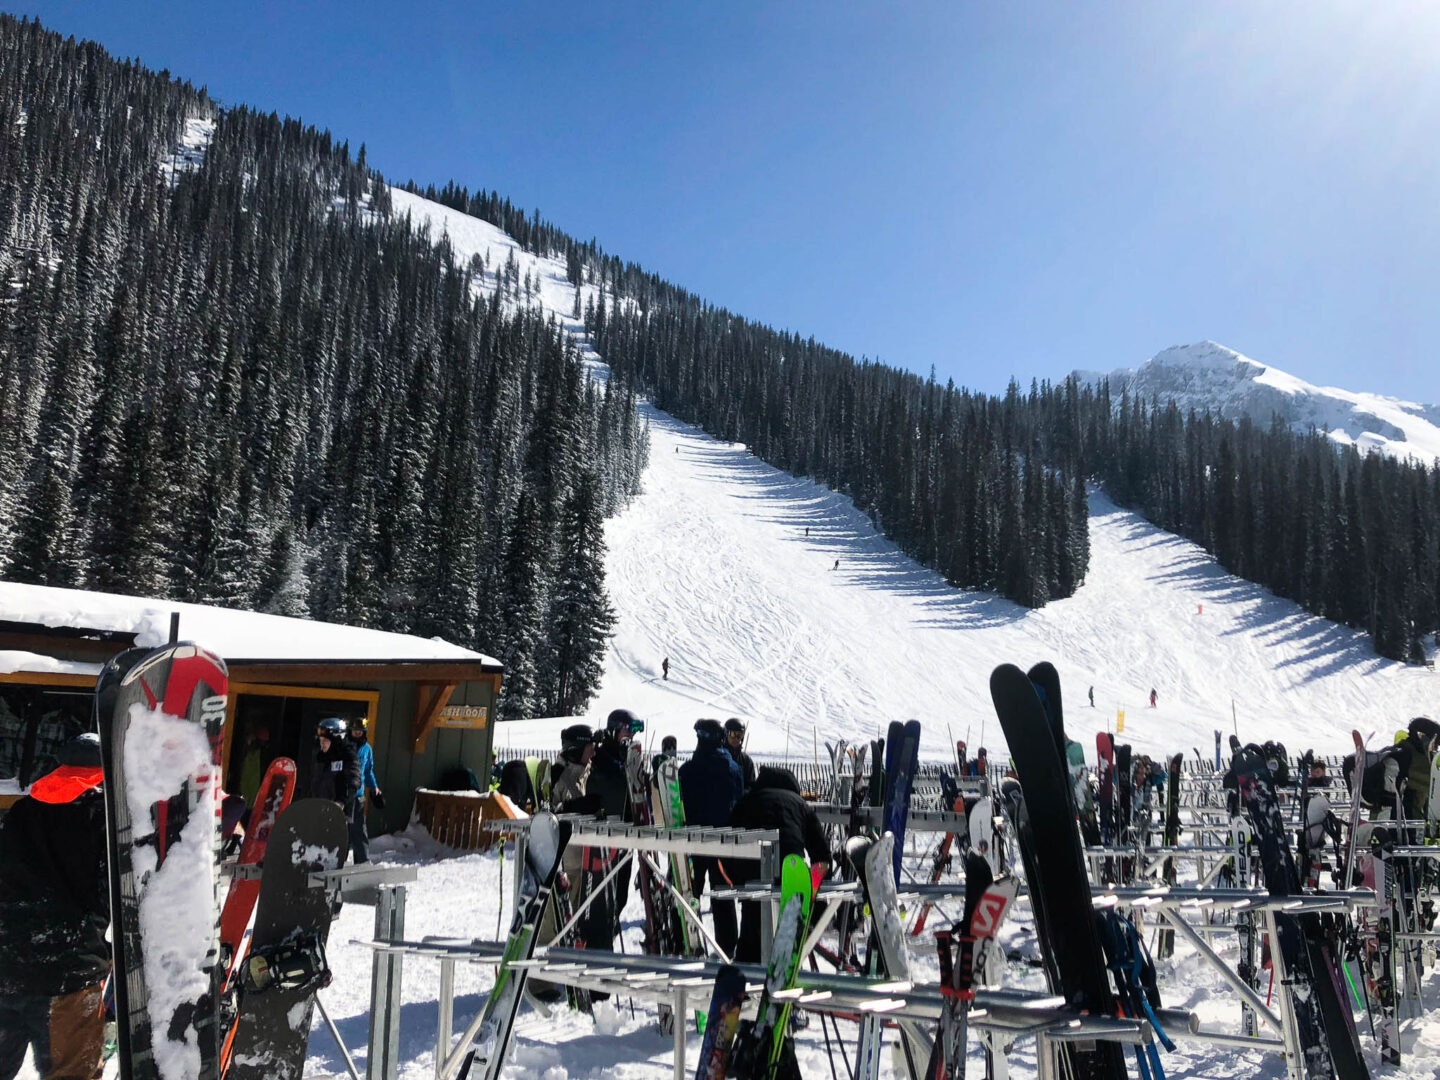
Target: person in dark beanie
{"x":774,"y":802}
{"x":669,"y":748}
{"x":54,"y":908}
{"x":337,"y":767}
{"x":609,"y":790}
{"x":710,"y":786}
{"x":735,"y":743}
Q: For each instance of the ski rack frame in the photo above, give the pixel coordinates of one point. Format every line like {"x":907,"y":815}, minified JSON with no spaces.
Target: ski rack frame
{"x":916,"y":821}
{"x":676,"y":981}
{"x":721,"y":842}
{"x":1170,"y":902}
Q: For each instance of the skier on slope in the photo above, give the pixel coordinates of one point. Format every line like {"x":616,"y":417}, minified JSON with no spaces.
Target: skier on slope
{"x":365,"y":758}
{"x":775,"y":802}
{"x":1152,"y":697}
{"x":710,"y":785}
{"x":735,"y":743}
{"x":337,"y":768}
{"x":54,"y":908}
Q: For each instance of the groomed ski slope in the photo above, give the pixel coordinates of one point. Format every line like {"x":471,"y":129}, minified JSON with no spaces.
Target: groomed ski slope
{"x":713,"y":568}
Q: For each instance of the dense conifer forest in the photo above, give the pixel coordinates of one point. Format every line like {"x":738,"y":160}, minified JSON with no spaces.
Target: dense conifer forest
{"x":234,"y":378}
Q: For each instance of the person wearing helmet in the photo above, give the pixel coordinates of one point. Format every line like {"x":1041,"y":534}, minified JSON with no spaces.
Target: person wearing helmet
{"x":609,"y":792}
{"x":336,"y":775}
{"x":735,"y":743}
{"x":54,"y":908}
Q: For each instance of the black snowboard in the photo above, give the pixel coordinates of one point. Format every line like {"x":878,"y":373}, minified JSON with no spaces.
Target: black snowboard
{"x":272,"y":1025}
{"x":1064,"y":887}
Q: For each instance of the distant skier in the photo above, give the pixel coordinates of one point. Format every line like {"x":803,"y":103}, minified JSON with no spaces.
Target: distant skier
{"x":665,"y":669}
{"x":1152,"y":697}
{"x":1092,"y":697}
{"x":836,"y":566}
{"x":54,"y":908}
{"x":807,"y":530}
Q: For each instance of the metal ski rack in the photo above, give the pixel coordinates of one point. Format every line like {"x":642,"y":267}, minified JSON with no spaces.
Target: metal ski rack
{"x":678,"y":982}
{"x":916,"y":821}
{"x":761,"y":845}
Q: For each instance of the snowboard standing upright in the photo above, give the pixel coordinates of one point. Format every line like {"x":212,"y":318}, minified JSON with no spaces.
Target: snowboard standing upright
{"x":285,"y":966}
{"x":161,"y":717}
{"x":1062,"y":890}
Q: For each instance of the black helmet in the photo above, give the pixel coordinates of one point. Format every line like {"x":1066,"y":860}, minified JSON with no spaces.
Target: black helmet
{"x":576,"y":736}
{"x":623,"y":720}
{"x":332,"y":727}
{"x":735,"y":724}
{"x":709,"y":731}
{"x":81,"y":752}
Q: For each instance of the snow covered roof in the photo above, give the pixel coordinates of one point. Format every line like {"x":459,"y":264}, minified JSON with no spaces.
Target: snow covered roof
{"x":235,"y":635}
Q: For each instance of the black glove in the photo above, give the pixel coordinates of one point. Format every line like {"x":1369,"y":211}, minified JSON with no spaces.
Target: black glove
{"x":379,"y":800}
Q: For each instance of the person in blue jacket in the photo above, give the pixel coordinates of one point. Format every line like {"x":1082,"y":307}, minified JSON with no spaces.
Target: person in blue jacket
{"x":711,"y":783}
{"x":359,"y":834}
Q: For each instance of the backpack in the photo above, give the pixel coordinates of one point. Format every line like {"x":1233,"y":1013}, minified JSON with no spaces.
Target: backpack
{"x":1379,"y":780}
{"x":1280,"y":769}
{"x":515,"y":784}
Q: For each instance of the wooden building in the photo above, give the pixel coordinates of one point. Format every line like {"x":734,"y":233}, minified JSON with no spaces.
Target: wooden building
{"x":427,"y":704}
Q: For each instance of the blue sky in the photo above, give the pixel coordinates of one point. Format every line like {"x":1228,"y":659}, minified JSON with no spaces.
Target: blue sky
{"x":989,"y":188}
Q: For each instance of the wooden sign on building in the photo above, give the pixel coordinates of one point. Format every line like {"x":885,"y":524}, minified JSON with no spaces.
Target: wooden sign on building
{"x":464,"y":717}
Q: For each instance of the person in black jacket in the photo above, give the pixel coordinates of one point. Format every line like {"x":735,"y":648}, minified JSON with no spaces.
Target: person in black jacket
{"x":735,"y":743}
{"x":710,"y":786}
{"x":774,"y":802}
{"x":608,"y":787}
{"x":54,"y":908}
{"x":337,"y":766}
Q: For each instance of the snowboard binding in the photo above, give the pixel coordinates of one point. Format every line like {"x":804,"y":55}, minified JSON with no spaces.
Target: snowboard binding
{"x":298,"y":965}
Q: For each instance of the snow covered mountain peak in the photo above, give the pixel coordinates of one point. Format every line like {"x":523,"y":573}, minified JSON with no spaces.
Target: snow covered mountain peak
{"x":1207,"y":375}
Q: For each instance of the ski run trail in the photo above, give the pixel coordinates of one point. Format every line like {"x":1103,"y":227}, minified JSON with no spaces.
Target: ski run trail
{"x":777,"y":601}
